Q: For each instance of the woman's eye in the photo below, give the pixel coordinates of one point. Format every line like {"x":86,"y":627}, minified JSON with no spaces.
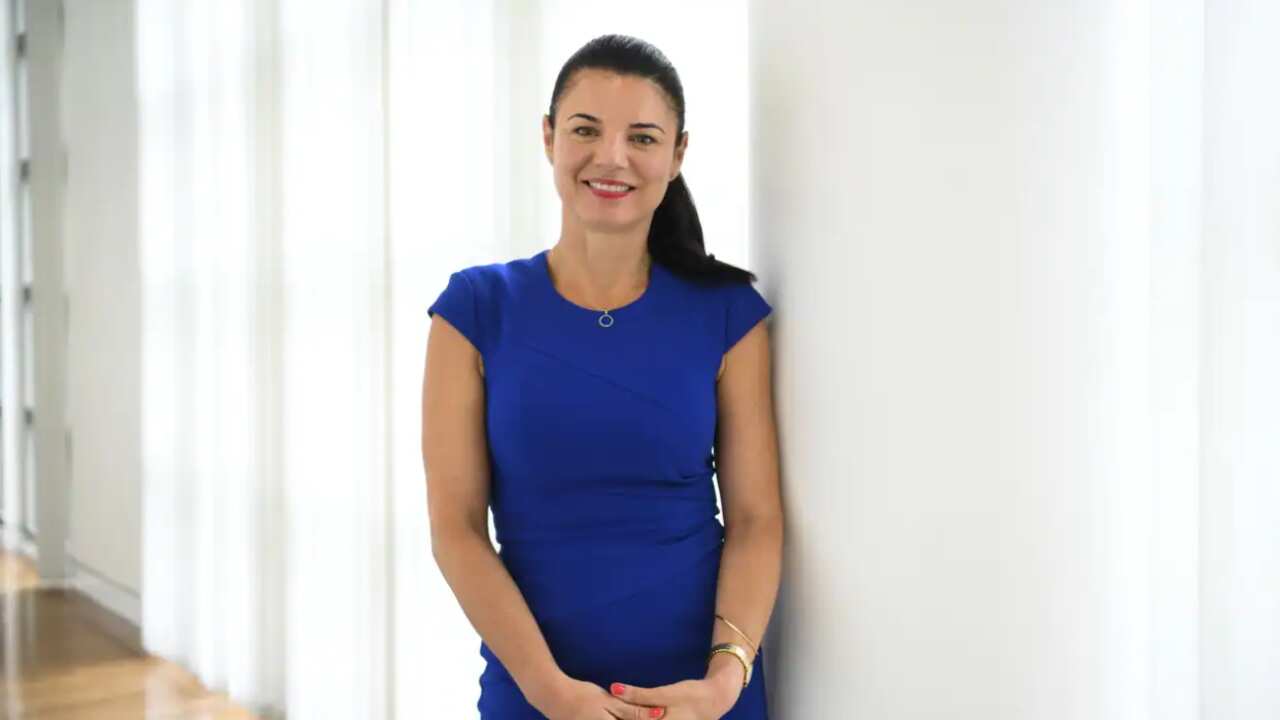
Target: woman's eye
{"x":584,"y":131}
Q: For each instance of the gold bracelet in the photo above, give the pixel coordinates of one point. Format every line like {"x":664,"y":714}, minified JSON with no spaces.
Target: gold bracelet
{"x":737,"y":651}
{"x":754,"y":648}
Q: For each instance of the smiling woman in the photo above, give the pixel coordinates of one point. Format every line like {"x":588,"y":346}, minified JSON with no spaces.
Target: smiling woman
{"x":624,"y":369}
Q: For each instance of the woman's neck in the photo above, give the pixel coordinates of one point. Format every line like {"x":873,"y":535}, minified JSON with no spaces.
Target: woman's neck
{"x":599,"y":275}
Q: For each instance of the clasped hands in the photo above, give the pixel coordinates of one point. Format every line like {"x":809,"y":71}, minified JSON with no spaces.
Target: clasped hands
{"x":706,"y":699}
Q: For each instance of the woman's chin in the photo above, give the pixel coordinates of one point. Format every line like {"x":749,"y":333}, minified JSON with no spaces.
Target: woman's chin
{"x":607,"y":223}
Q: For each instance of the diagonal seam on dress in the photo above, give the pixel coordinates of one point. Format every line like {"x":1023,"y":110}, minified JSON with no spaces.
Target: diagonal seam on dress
{"x":612,"y":381}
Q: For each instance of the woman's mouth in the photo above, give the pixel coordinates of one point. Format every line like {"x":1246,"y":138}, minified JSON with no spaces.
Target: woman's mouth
{"x":608,"y":191}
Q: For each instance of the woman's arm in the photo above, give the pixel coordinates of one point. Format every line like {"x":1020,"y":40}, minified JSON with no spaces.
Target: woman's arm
{"x":455,"y":456}
{"x":750,"y":493}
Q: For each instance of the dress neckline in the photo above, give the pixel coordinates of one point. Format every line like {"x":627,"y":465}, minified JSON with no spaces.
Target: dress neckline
{"x":545,"y":273}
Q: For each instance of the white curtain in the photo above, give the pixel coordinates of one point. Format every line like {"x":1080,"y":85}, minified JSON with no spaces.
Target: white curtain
{"x":449,"y":131}
{"x":266,"y":534}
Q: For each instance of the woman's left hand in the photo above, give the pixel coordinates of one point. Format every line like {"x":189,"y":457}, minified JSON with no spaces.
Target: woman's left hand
{"x":705,"y":699}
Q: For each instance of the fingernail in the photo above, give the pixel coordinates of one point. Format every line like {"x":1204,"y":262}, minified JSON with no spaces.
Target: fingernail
{"x":618,"y":689}
{"x":655,"y":712}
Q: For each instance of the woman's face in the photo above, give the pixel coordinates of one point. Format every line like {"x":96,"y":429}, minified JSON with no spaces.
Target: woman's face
{"x":616,"y":128}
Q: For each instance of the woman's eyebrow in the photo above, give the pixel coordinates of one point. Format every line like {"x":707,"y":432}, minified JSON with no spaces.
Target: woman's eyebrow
{"x":593,"y":118}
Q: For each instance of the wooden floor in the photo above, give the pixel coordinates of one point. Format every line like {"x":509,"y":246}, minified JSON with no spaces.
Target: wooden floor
{"x":66,"y":658}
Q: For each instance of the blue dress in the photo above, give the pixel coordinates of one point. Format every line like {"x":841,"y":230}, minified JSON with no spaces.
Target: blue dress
{"x":600,"y":449}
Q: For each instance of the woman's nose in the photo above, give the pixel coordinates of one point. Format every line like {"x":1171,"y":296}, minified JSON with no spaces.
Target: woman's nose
{"x":614,"y":149}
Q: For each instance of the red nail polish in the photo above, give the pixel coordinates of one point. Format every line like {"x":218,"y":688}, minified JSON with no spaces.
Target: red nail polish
{"x":655,"y":712}
{"x":617,"y":689}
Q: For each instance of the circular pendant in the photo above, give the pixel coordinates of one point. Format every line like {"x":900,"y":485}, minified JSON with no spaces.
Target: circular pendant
{"x":606,"y":319}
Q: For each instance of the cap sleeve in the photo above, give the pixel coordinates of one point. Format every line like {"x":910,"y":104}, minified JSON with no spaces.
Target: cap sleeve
{"x":745,"y":307}
{"x":457,"y":304}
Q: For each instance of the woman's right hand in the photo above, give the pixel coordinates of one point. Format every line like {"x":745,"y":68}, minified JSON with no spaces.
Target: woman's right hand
{"x":572,"y":699}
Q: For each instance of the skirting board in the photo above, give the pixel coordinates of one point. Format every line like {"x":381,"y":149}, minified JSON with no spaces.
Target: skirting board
{"x":106,"y":592}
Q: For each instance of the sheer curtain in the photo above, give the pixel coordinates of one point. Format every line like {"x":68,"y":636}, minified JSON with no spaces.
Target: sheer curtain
{"x":450,"y":185}
{"x":266,"y":529}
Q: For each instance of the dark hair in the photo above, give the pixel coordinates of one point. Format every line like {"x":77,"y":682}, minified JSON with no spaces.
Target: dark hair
{"x":675,"y":236}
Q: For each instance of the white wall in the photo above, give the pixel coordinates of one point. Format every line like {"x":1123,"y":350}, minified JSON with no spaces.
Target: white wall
{"x":14,"y":436}
{"x":47,"y":501}
{"x":979,"y":224}
{"x":103,"y":281}
{"x":1240,"y":530}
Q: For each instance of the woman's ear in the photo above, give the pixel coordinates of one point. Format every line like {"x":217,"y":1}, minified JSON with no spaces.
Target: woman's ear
{"x":548,"y":136}
{"x":679,"y":156}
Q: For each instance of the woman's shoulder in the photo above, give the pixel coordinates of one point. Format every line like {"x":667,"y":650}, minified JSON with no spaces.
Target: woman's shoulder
{"x":494,"y":280}
{"x":476,"y":297}
{"x":720,"y":292}
{"x":731,"y":306}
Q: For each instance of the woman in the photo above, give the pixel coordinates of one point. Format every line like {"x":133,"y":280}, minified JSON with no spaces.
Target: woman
{"x":581,"y":392}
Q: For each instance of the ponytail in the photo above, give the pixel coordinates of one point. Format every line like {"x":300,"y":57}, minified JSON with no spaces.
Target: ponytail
{"x":675,"y":239}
